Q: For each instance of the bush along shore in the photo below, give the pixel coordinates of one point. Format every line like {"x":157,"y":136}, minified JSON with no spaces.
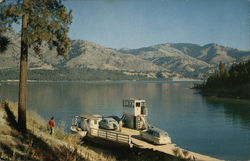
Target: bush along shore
{"x":38,"y":145}
{"x":234,"y":82}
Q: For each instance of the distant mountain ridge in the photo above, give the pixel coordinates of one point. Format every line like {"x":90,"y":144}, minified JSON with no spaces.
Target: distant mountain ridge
{"x":209,"y":53}
{"x":85,"y":54}
{"x":170,"y":61}
{"x":189,"y":59}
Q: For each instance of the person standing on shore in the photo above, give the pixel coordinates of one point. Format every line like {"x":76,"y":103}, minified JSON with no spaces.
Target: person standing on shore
{"x":52,"y":125}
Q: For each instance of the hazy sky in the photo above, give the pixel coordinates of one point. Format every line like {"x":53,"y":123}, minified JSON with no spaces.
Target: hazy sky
{"x":140,"y":23}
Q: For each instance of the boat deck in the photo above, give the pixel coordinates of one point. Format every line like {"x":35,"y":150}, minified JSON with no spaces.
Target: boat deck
{"x":168,"y":148}
{"x":131,"y":137}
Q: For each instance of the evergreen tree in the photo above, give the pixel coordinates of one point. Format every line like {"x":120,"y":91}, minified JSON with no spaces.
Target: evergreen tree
{"x":4,"y":42}
{"x":223,"y":72}
{"x":42,"y":21}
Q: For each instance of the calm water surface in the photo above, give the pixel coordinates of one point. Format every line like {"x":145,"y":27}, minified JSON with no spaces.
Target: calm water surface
{"x":212,"y":126}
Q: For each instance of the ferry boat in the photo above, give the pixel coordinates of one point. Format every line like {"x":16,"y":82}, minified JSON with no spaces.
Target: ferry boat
{"x":134,"y":117}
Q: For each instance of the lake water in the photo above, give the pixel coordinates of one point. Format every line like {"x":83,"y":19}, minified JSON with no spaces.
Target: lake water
{"x":213,"y":126}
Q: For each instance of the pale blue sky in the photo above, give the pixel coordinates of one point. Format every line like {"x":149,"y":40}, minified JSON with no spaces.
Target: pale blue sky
{"x":140,"y":23}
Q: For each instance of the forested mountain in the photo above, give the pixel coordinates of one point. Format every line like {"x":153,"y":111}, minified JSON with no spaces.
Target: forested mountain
{"x":171,"y":61}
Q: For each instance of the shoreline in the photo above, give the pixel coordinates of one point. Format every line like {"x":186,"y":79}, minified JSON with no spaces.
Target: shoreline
{"x":170,"y":150}
{"x":158,"y":152}
{"x":103,"y":81}
{"x":221,"y":94}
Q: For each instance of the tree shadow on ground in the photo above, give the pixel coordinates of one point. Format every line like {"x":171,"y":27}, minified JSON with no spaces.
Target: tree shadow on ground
{"x":11,"y":118}
{"x":6,"y":149}
{"x":37,"y":149}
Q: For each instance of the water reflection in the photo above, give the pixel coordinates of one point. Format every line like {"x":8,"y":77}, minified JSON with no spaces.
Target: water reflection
{"x":236,"y":111}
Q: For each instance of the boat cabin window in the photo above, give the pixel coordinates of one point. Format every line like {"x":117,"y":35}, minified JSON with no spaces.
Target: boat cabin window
{"x":153,"y":133}
{"x":138,"y":104}
{"x":150,"y":132}
{"x":156,"y":134}
{"x":128,"y":103}
{"x":143,"y":110}
{"x":95,"y":122}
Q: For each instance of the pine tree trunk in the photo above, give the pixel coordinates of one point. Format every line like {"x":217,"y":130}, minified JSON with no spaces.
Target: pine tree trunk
{"x":23,"y":76}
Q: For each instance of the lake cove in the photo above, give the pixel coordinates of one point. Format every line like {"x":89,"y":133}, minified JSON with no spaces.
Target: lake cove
{"x":211,"y":126}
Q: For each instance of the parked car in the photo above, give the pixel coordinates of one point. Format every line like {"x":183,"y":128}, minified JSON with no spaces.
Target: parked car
{"x":115,"y":117}
{"x":156,"y":136}
{"x":109,"y":123}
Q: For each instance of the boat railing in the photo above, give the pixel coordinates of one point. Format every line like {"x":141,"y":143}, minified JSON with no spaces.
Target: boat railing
{"x":111,"y":135}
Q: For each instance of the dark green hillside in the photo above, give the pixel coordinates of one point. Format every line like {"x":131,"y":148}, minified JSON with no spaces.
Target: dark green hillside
{"x":67,"y":74}
{"x":233,"y":82}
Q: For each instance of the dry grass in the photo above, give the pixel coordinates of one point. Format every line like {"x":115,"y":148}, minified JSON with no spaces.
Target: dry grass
{"x":37,"y":144}
{"x":182,"y":154}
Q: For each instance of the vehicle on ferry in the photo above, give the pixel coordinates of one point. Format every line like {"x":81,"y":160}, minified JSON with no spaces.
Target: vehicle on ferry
{"x":156,"y":136}
{"x":109,"y":123}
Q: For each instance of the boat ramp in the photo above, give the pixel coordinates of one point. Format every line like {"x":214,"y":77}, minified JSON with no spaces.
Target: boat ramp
{"x":131,"y":138}
{"x":129,"y":133}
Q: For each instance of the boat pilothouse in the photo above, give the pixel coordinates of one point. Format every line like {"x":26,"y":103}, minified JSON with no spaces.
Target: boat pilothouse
{"x":135,"y":114}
